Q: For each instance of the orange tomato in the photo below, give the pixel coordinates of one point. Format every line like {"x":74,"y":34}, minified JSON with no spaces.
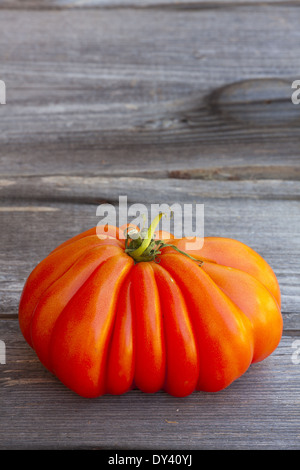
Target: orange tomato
{"x":107,"y":314}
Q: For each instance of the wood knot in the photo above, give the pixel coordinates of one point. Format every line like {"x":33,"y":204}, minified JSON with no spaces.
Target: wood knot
{"x":257,"y":102}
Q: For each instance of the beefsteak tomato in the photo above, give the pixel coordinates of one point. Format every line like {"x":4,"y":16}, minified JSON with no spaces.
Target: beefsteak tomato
{"x":107,"y":313}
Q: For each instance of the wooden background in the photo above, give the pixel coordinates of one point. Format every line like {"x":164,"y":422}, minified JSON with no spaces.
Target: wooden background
{"x":162,"y":101}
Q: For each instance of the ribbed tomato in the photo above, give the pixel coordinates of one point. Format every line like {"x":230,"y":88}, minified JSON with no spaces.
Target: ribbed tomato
{"x":107,"y":314}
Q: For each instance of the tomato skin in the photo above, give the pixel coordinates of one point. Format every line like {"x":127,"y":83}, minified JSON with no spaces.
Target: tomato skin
{"x":59,"y":294}
{"x":182,"y":363}
{"x":47,"y":272}
{"x":250,"y":296}
{"x":104,"y":324}
{"x":235,"y":254}
{"x":121,"y":360}
{"x":223,"y":333}
{"x":150,"y":360}
{"x":80,"y":338}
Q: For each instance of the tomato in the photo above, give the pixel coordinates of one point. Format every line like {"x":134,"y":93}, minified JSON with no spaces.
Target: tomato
{"x":107,"y":313}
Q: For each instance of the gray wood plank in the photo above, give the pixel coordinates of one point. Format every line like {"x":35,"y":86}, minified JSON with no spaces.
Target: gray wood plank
{"x":145,"y":189}
{"x":77,"y":156}
{"x":177,"y":4}
{"x":258,"y":411}
{"x":116,"y":101}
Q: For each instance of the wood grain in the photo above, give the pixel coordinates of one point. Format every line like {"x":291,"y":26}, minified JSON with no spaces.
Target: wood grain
{"x":123,"y":93}
{"x":116,"y":4}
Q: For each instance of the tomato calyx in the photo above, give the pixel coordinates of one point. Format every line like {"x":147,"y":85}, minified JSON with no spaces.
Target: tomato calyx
{"x":142,"y":245}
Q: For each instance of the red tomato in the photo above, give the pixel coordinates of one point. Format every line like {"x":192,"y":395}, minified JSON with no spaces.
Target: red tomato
{"x":106,"y":315}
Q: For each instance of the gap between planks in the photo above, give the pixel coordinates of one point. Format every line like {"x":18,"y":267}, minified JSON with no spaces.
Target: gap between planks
{"x":45,"y":5}
{"x":16,"y":192}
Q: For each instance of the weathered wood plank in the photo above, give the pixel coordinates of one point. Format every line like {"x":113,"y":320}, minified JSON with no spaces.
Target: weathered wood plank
{"x":82,"y":156}
{"x":189,"y":100}
{"x":143,"y":189}
{"x":258,"y":411}
{"x":177,"y":4}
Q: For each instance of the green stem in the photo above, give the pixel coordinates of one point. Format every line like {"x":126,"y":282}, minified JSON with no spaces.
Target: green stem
{"x":147,"y":249}
{"x":138,"y":252}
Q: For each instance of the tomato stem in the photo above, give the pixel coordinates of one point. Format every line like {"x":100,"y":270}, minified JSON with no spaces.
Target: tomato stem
{"x":142,"y":246}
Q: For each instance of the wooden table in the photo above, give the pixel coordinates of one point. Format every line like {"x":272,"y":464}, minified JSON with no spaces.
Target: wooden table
{"x":163,"y":102}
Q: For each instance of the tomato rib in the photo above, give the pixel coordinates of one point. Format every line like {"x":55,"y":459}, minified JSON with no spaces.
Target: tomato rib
{"x":121,"y":355}
{"x":150,"y":360}
{"x":223,"y":333}
{"x":255,"y":301}
{"x":81,"y":334}
{"x":233,"y":253}
{"x":59,"y":294}
{"x":109,"y":231}
{"x":48,"y":271}
{"x":182,"y":364}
